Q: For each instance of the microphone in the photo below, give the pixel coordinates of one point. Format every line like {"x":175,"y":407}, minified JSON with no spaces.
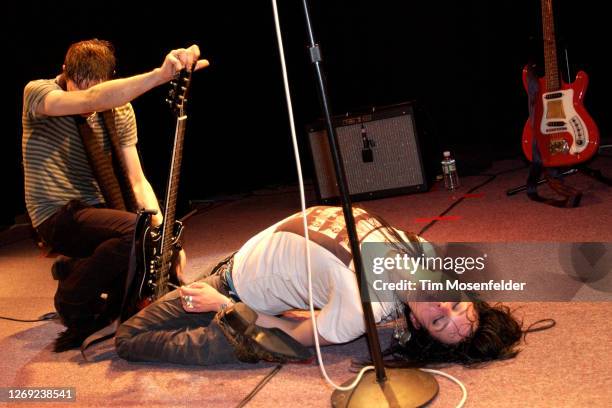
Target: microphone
{"x":367,"y":155}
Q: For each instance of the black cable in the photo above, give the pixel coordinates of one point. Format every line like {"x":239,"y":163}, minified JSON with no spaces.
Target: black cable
{"x":46,"y":316}
{"x":204,"y":207}
{"x":453,"y":205}
{"x":539,"y":325}
{"x":259,"y":386}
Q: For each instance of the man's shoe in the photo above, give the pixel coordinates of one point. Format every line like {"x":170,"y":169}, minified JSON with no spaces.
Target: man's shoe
{"x":69,"y":339}
{"x":75,"y":334}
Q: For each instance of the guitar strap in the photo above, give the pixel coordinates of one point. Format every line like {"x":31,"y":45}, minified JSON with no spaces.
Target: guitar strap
{"x":109,"y":169}
{"x":553,"y":176}
{"x":119,"y":165}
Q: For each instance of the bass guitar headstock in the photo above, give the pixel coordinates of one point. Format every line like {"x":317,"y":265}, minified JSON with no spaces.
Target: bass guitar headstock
{"x":179,"y":91}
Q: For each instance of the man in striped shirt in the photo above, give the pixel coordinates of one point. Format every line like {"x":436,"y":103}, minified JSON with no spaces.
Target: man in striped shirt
{"x":64,"y":198}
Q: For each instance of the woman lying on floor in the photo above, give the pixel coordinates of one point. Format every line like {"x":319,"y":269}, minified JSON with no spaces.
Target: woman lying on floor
{"x":268,"y":277}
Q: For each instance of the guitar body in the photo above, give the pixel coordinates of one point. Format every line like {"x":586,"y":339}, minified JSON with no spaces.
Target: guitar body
{"x":565,"y":132}
{"x":153,"y":262}
{"x":149,"y":265}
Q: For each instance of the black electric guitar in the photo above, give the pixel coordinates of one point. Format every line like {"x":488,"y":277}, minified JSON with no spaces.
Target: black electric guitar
{"x":157,"y":247}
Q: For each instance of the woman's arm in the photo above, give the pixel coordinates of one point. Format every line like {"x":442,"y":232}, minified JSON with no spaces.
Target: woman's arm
{"x":205,"y":298}
{"x":302,"y":331}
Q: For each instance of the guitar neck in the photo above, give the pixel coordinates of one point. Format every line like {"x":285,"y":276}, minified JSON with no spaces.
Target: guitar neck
{"x":550,"y":48}
{"x":173,"y":184}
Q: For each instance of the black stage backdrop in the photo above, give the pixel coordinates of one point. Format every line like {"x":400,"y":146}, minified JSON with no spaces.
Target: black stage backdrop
{"x":460,"y":61}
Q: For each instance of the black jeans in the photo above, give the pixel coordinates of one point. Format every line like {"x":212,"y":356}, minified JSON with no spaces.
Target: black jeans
{"x":165,"y":332}
{"x":98,"y":241}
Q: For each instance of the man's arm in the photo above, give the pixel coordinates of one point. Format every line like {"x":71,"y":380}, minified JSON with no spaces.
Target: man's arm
{"x":145,"y":197}
{"x":143,"y":192}
{"x":110,"y":94}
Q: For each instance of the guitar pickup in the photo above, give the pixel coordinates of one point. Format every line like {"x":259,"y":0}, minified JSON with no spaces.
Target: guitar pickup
{"x":554,"y":95}
{"x":556,"y":130}
{"x":555,"y":124}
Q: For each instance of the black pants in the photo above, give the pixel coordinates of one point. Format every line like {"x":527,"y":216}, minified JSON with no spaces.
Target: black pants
{"x":98,"y":241}
{"x":164,"y":331}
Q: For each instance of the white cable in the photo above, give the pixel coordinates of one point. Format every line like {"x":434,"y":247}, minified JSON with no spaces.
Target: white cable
{"x":450,"y":377}
{"x":303,"y":203}
{"x":307,"y":238}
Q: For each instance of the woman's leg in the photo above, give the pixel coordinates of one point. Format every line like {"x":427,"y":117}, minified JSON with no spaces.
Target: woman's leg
{"x":164,"y":331}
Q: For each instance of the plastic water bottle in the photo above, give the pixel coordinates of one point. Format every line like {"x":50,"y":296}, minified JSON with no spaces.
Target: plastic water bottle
{"x":449,"y":170}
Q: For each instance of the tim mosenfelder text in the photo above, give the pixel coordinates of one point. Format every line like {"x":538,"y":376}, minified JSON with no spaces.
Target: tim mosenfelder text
{"x":410,"y":264}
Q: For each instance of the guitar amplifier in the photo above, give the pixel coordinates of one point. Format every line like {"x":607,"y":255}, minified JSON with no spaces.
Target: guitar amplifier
{"x":380,"y":152}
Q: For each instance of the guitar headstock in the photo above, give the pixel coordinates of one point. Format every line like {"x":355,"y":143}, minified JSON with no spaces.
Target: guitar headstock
{"x":179,"y":90}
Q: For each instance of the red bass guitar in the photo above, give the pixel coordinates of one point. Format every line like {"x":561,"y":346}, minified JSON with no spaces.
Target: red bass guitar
{"x":565,"y":133}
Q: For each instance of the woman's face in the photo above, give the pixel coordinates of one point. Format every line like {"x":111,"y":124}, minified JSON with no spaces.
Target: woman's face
{"x":448,"y":322}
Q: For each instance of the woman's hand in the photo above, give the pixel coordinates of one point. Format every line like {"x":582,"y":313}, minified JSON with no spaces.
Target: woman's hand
{"x":201,"y":297}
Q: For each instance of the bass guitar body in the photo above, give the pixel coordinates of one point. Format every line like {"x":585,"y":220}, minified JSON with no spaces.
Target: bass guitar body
{"x":150,"y":263}
{"x":560,"y":126}
{"x":564,"y":131}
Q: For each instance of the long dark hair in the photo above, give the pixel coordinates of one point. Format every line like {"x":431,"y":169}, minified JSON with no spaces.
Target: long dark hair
{"x":496,"y":338}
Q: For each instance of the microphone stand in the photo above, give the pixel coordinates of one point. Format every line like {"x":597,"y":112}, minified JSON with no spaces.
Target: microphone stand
{"x":390,"y":387}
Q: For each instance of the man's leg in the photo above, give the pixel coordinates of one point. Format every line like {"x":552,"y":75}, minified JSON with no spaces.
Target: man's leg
{"x":90,"y":282}
{"x":164,"y":331}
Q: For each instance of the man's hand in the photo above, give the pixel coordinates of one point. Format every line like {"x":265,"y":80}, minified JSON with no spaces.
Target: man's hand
{"x":179,"y":59}
{"x":201,"y":297}
{"x":157,"y":219}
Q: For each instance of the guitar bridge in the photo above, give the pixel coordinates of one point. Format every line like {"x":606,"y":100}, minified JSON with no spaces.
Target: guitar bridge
{"x":558,"y":147}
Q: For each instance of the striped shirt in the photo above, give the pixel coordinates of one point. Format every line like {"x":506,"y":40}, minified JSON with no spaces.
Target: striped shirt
{"x":55,"y":164}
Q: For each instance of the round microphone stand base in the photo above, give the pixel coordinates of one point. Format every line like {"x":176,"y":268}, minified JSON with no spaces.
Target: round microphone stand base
{"x":404,"y":387}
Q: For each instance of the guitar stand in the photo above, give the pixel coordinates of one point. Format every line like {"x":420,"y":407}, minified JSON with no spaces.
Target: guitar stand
{"x":572,"y":195}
